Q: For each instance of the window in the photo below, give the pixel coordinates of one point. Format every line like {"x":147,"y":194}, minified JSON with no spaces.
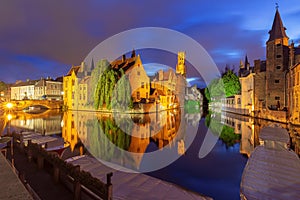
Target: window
{"x":142,"y":84}
{"x":278,"y":44}
{"x":277,"y":98}
{"x":278,"y":56}
{"x":73,"y":82}
{"x":239,"y":101}
{"x":278,"y":67}
{"x":147,"y":95}
{"x":138,"y":95}
{"x":138,"y":73}
{"x":276,"y":81}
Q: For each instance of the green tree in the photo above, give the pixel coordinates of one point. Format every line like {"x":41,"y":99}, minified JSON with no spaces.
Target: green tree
{"x":226,"y":86}
{"x":231,"y":83}
{"x":3,"y":86}
{"x":96,"y":74}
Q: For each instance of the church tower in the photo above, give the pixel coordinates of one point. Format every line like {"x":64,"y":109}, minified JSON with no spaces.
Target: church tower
{"x":277,"y":63}
{"x":180,"y":67}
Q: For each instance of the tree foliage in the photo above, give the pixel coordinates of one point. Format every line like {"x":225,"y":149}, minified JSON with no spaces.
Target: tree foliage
{"x":3,"y":86}
{"x":101,"y":66}
{"x":112,"y":90}
{"x":226,"y":86}
{"x":225,"y":133}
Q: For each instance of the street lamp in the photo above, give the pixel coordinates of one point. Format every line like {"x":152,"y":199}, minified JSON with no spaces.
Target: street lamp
{"x":9,"y":105}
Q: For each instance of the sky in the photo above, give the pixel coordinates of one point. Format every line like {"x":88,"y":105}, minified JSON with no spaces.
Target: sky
{"x":45,"y":38}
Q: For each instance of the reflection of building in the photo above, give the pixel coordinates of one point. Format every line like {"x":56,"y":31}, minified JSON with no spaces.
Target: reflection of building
{"x":69,"y":131}
{"x":46,"y":125}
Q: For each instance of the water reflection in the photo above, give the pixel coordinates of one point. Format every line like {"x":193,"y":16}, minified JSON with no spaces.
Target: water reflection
{"x":245,"y":130}
{"x":47,"y":123}
{"x":134,"y":135}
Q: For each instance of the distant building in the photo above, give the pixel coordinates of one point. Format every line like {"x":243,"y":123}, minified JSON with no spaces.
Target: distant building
{"x":70,"y":86}
{"x":85,"y":92}
{"x":48,"y":89}
{"x":23,"y":90}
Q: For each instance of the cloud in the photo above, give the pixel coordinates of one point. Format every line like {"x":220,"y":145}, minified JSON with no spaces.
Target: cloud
{"x":67,"y":31}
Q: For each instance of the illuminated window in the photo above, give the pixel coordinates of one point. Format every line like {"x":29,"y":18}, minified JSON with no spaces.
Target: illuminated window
{"x":142,"y":84}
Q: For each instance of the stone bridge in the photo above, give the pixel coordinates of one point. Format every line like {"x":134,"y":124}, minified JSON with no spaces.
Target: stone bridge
{"x":22,"y":104}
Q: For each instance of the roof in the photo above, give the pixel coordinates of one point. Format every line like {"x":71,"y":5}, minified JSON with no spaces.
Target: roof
{"x":25,"y":83}
{"x":297,"y":50}
{"x":75,"y":69}
{"x":278,"y":30}
{"x":85,"y":80}
{"x":124,"y":64}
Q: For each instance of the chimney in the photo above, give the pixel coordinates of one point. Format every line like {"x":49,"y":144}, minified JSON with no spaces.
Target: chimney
{"x":133,"y":53}
{"x":123,"y":57}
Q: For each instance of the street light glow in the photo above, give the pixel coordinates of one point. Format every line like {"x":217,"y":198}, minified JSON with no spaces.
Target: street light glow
{"x":9,"y":105}
{"x":9,"y":117}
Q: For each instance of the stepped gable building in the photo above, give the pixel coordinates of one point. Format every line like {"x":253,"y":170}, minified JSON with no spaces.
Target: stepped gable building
{"x":138,"y":78}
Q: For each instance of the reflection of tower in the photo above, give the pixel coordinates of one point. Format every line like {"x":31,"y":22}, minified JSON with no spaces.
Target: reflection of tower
{"x":180,"y":67}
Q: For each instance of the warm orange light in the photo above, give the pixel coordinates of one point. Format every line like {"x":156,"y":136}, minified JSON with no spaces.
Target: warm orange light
{"x":9,"y":117}
{"x":9,"y":105}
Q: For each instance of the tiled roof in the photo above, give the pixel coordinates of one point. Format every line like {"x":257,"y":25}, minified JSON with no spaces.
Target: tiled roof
{"x":75,"y":69}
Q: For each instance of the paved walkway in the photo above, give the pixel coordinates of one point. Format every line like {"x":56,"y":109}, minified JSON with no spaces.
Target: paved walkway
{"x":134,"y":185}
{"x":11,"y":186}
{"x":272,"y":171}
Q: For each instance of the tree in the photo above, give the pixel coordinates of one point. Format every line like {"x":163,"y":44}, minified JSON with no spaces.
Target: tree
{"x":3,"y":86}
{"x":226,"y":86}
{"x":231,"y":83}
{"x":97,"y":72}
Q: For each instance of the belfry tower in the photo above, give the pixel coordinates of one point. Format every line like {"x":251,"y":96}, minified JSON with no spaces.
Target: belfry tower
{"x":180,"y":67}
{"x":277,"y":63}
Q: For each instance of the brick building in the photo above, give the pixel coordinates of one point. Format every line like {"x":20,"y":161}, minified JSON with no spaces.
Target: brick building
{"x":271,"y":85}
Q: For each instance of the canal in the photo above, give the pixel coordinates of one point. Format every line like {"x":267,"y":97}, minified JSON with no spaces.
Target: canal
{"x":203,"y":154}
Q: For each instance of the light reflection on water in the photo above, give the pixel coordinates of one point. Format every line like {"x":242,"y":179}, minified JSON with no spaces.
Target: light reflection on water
{"x":217,"y":175}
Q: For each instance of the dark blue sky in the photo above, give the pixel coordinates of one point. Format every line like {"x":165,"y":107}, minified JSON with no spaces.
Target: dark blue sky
{"x":44,"y":38}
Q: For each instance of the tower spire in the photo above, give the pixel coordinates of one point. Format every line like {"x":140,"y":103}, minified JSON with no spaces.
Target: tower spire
{"x":278,"y":30}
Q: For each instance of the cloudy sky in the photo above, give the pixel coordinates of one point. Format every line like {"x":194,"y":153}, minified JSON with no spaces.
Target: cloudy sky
{"x":44,"y":38}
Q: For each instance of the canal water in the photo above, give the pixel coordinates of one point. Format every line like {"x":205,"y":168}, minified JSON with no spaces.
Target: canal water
{"x":203,"y":154}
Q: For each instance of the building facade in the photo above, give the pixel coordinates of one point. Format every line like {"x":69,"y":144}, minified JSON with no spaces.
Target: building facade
{"x":271,"y":88}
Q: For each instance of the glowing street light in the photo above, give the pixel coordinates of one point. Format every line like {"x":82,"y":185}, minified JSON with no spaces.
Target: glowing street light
{"x":9,"y":117}
{"x":9,"y":105}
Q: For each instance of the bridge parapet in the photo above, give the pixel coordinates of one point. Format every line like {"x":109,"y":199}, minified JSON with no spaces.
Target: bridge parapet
{"x":50,"y":104}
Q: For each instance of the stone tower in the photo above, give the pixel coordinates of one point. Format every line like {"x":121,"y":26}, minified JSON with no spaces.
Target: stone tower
{"x":180,"y":67}
{"x":277,"y":63}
